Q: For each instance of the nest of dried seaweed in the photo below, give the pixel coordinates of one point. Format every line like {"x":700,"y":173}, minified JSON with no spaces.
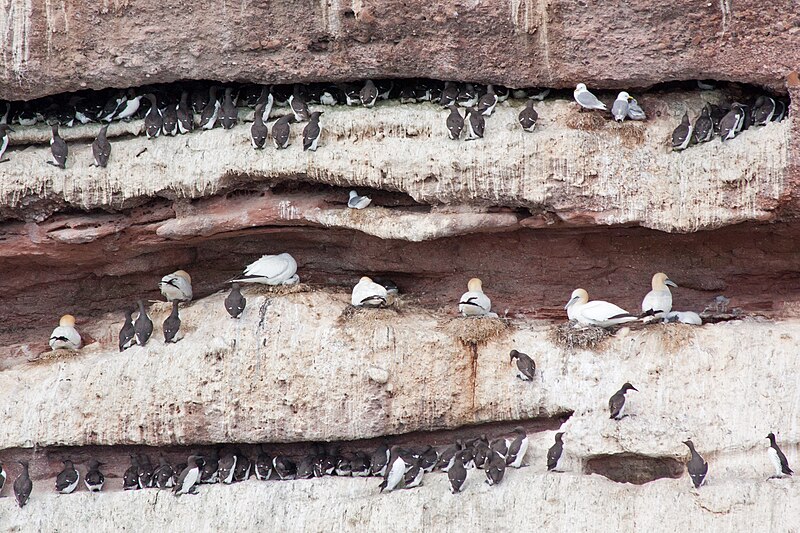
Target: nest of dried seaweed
{"x":476,"y":330}
{"x":574,"y":337}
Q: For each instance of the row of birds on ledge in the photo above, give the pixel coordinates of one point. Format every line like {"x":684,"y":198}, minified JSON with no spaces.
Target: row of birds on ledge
{"x":167,"y":112}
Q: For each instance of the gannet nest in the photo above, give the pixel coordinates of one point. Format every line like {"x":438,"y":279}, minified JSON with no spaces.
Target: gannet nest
{"x":476,"y":330}
{"x":281,"y":290}
{"x":582,"y":338}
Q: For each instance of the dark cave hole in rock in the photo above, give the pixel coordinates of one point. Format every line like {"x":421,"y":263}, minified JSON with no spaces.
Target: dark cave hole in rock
{"x":633,"y":468}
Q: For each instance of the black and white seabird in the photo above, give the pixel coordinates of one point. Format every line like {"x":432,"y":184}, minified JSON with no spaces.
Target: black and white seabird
{"x":777,"y":459}
{"x":94,"y":479}
{"x":127,"y":335}
{"x":143,"y":327}
{"x":763,"y":110}
{"x":312,"y":132}
{"x":455,"y":123}
{"x":517,"y":448}
{"x":2,"y":476}
{"x":58,"y":148}
{"x":555,"y":452}
{"x":284,"y":467}
{"x":228,"y":115}
{"x":379,"y":460}
{"x":780,"y":111}
{"x":112,"y":106}
{"x":130,"y":479}
{"x":298,"y":105}
{"x":305,"y":467}
{"x":128,"y":107}
{"x":258,"y":130}
{"x":467,"y":96}
{"x":243,"y":467}
{"x":731,"y":124}
{"x":153,"y":120}
{"x":210,"y":471}
{"x":499,"y":446}
{"x":210,"y":113}
{"x":495,"y":468}
{"x":145,"y":472}
{"x":528,"y":117}
{"x":190,"y":477}
{"x":457,"y":473}
{"x":344,"y":466}
{"x":703,"y":126}
{"x":227,"y":467}
{"x":67,"y":480}
{"x":179,"y":468}
{"x":4,"y":139}
{"x":616,"y":404}
{"x":487,"y":102}
{"x":525,"y":365}
{"x":281,"y":130}
{"x":172,"y":325}
{"x":360,"y":466}
{"x":170,"y":117}
{"x":23,"y":485}
{"x":413,"y":475}
{"x":263,"y":466}
{"x":475,"y":124}
{"x":447,"y":454}
{"x":449,"y":94}
{"x":163,"y":475}
{"x":619,"y":110}
{"x":368,"y":94}
{"x":682,"y":135}
{"x":265,"y":100}
{"x":235,"y":302}
{"x":481,"y":452}
{"x":184,"y":114}
{"x":697,"y":466}
{"x":101,"y":148}
{"x":395,"y":470}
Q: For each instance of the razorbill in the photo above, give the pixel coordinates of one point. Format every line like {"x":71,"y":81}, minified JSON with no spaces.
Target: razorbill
{"x":130,"y":479}
{"x":528,"y":117}
{"x":258,"y":130}
{"x":127,"y":334}
{"x":67,"y":480}
{"x":475,"y":124}
{"x":495,"y":468}
{"x":65,"y":336}
{"x":172,"y":325}
{"x":298,"y":105}
{"x":228,"y":115}
{"x":763,"y":110}
{"x":703,"y":129}
{"x":474,"y":302}
{"x":731,"y":124}
{"x":153,"y":120}
{"x":487,"y":102}
{"x":525,"y":365}
{"x":4,"y":129}
{"x":210,"y":471}
{"x":163,"y":475}
{"x":658,"y":302}
{"x":128,"y":107}
{"x":184,"y":114}
{"x":210,"y":112}
{"x":595,"y":313}
{"x":281,"y":131}
{"x":227,"y":467}
{"x":170,"y":116}
{"x":454,"y":123}
{"x":379,"y":460}
{"x":58,"y":148}
{"x":517,"y":448}
{"x":777,"y":459}
{"x":265,"y":100}
{"x":367,"y":293}
{"x":619,"y":110}
{"x":235,"y":302}
{"x":190,"y":477}
{"x":555,"y":452}
{"x":312,"y":132}
{"x":278,"y":269}
{"x":467,"y":96}
{"x":243,"y":467}
{"x":145,"y":472}
{"x":143,"y":327}
{"x":616,"y":404}
{"x":176,"y":287}
{"x":94,"y":479}
{"x":697,"y":466}
{"x":368,"y":94}
{"x":413,"y":475}
{"x":23,"y":485}
{"x":586,"y":99}
{"x":682,"y":134}
{"x":359,"y":465}
{"x":101,"y":148}
{"x":263,"y":466}
{"x":395,"y":470}
{"x":457,"y":473}
{"x":284,"y":468}
{"x":449,"y":94}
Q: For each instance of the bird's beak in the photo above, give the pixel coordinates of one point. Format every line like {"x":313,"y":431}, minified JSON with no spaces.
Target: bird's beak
{"x":570,"y":302}
{"x":634,"y":388}
{"x":670,"y":283}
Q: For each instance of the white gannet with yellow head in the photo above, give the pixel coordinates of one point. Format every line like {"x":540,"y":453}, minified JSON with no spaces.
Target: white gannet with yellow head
{"x":659,"y":300}
{"x":597,"y":313}
{"x":65,"y":336}
{"x":367,"y":293}
{"x":474,"y":302}
{"x":176,"y":287}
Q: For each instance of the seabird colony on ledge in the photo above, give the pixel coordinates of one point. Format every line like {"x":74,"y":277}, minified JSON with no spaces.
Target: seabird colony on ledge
{"x":169,"y":111}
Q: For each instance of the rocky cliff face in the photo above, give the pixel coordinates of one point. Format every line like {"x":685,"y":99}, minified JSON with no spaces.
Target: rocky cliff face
{"x":582,"y":201}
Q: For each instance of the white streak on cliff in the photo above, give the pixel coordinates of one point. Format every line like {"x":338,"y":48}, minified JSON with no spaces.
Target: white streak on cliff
{"x":15,"y":29}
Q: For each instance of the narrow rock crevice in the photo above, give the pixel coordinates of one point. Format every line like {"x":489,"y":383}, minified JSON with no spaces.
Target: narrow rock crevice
{"x":634,"y":468}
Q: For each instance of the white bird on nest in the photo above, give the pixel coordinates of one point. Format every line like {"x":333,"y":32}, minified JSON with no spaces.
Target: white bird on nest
{"x":586,"y":99}
{"x":278,"y":269}
{"x":358,"y":202}
{"x":65,"y":336}
{"x":176,"y":286}
{"x":597,"y":313}
{"x":474,"y":302}
{"x":367,"y":293}
{"x":659,"y":300}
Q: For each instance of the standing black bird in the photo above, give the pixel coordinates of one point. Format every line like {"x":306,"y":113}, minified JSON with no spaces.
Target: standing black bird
{"x":481,"y":451}
{"x":368,"y":94}
{"x":2,"y":477}
{"x":495,"y":468}
{"x":190,"y":477}
{"x":517,"y":448}
{"x":143,"y":327}
{"x":380,"y":460}
{"x":455,"y":123}
{"x":58,"y":147}
{"x":243,"y":467}
{"x":281,"y":130}
{"x":127,"y":335}
{"x":210,"y":112}
{"x":457,"y":473}
{"x":23,"y":485}
{"x":616,"y":404}
{"x":284,"y":467}
{"x":554,"y":453}
{"x":258,"y":130}
{"x":209,"y":472}
{"x":475,"y":124}
{"x":359,"y":465}
{"x":130,"y":479}
{"x":697,"y":466}
{"x":235,"y":302}
{"x":4,"y":129}
{"x":525,"y":365}
{"x":528,"y":117}
{"x":778,"y":459}
{"x":101,"y":148}
{"x":145,"y":472}
{"x":312,"y":132}
{"x":153,"y":120}
{"x":68,"y":479}
{"x":227,"y":467}
{"x":703,"y":126}
{"x":487,"y":102}
{"x":263,"y":466}
{"x":172,"y":324}
{"x":731,"y":124}
{"x":228,"y":114}
{"x":163,"y":474}
{"x":94,"y":479}
{"x":682,"y":135}
{"x":170,"y":116}
{"x":184,"y":114}
{"x":298,"y":105}
{"x":449,"y":94}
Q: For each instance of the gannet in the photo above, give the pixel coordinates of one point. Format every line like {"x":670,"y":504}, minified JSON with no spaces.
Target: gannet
{"x":597,"y":313}
{"x":278,"y":269}
{"x":659,"y":300}
{"x":367,"y":293}
{"x":65,"y":336}
{"x":474,"y":302}
{"x":176,"y":286}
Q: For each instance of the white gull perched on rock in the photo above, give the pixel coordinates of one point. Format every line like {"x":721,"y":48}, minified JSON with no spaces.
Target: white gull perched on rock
{"x":358,"y":202}
{"x":596,"y":313}
{"x":586,"y":99}
{"x":278,"y":269}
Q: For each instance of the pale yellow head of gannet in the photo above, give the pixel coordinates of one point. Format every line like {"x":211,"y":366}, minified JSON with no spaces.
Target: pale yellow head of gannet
{"x":365,"y":279}
{"x":578,"y":295}
{"x":183,"y":274}
{"x":475,"y":285}
{"x":660,"y":282}
{"x":67,"y":321}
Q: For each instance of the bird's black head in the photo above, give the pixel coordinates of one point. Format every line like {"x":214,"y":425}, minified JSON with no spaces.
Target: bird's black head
{"x":24,"y":463}
{"x":628,"y":386}
{"x":559,"y":436}
{"x":771,"y":436}
{"x":520,"y":430}
{"x":689,"y":443}
{"x":514,"y":354}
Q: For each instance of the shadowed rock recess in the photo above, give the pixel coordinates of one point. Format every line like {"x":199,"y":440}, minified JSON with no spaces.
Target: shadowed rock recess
{"x":582,"y":201}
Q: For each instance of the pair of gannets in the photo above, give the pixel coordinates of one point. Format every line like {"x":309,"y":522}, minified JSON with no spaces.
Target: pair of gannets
{"x":657,"y":303}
